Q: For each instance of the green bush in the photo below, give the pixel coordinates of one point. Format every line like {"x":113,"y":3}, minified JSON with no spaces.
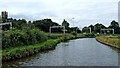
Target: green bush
{"x":74,"y":33}
{"x":89,"y":35}
{"x":24,"y":51}
{"x":14,"y":37}
{"x":54,"y":36}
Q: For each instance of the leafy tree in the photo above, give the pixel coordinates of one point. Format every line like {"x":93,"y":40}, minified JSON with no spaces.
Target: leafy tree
{"x":71,"y":29}
{"x":114,"y":25}
{"x":18,"y":24}
{"x":92,"y":28}
{"x":66,"y":24}
{"x":30,"y":25}
{"x":85,"y":29}
{"x":119,"y":30}
{"x":6,"y":27}
{"x":44,"y":24}
{"x":98,"y":27}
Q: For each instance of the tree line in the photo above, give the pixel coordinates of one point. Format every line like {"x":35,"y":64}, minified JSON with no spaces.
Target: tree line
{"x":97,"y":28}
{"x":45,"y":24}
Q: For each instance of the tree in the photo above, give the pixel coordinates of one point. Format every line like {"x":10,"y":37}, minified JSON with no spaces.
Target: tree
{"x":98,"y":27}
{"x":114,"y":25}
{"x":92,"y":28}
{"x":71,"y":29}
{"x":44,"y":24}
{"x":119,"y":30}
{"x":85,"y":29}
{"x":66,"y":24}
{"x":18,"y":24}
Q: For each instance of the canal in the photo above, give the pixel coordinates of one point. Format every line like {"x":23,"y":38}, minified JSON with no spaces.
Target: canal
{"x":78,"y":52}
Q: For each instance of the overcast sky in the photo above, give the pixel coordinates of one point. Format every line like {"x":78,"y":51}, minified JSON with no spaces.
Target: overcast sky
{"x":77,"y":12}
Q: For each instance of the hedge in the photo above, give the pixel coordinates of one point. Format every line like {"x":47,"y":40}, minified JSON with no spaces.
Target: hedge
{"x":24,"y":51}
{"x":14,"y":37}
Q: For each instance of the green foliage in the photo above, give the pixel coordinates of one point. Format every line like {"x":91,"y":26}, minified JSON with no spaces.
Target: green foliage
{"x":114,"y":25}
{"x":98,"y":27}
{"x":115,"y":37}
{"x":44,"y":24}
{"x":24,"y":51}
{"x":113,"y":41}
{"x":86,"y":29}
{"x":74,"y":33}
{"x":15,"y":37}
{"x":18,"y":24}
{"x":6,"y":27}
{"x":55,"y":36}
{"x":89,"y":35}
{"x":66,"y":24}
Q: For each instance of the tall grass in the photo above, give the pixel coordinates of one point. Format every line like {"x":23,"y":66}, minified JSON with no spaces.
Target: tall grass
{"x":24,"y":51}
{"x":23,"y":43}
{"x":14,"y":37}
{"x":114,"y":41}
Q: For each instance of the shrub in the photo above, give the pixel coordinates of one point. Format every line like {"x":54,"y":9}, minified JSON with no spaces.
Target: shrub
{"x":89,"y":35}
{"x":74,"y":33}
{"x":15,"y":37}
{"x":54,"y":36}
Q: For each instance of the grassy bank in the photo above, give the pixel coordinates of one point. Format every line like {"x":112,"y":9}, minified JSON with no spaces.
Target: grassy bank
{"x":24,"y":51}
{"x":22,"y":43}
{"x":113,"y":41}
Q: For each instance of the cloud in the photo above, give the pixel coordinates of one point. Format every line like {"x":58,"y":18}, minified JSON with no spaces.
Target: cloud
{"x":85,"y":12}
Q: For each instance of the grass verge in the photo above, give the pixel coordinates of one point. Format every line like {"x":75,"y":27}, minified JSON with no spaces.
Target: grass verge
{"x":113,"y":41}
{"x":24,"y":51}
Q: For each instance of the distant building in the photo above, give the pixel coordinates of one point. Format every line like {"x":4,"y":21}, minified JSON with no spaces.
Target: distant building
{"x":4,"y":15}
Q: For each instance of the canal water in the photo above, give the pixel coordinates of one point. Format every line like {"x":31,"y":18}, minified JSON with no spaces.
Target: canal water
{"x":78,"y":52}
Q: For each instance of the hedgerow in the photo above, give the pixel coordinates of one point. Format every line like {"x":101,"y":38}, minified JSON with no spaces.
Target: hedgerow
{"x":24,"y":51}
{"x":15,"y":37}
{"x":19,"y":44}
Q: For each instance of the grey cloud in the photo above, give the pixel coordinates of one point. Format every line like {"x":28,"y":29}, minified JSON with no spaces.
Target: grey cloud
{"x":85,"y":13}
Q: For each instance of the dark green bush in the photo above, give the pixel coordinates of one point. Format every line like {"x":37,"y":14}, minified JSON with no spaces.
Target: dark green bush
{"x":89,"y":35}
{"x":74,"y":33}
{"x":14,"y":37}
{"x":54,"y":36}
{"x":24,"y":51}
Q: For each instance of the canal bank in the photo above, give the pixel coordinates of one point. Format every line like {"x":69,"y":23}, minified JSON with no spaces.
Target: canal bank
{"x":107,"y":40}
{"x":25,"y":51}
{"x":77,"y":52}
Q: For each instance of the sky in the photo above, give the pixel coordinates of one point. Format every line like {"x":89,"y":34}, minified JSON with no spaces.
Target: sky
{"x":78,"y":13}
